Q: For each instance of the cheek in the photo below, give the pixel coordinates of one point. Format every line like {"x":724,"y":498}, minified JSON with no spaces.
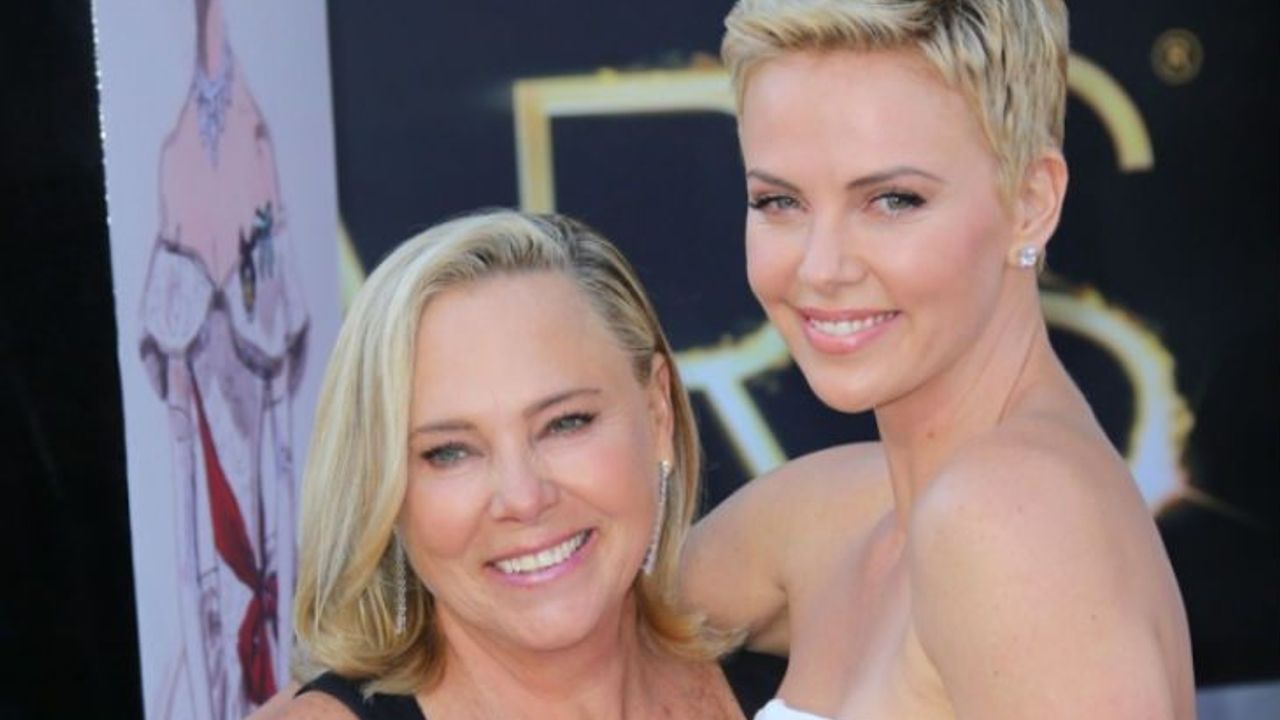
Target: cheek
{"x":951,"y":271}
{"x":771,"y":263}
{"x":440,"y":516}
{"x":610,"y":475}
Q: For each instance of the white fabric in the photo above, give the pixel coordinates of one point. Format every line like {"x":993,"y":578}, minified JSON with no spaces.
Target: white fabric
{"x":777,"y":709}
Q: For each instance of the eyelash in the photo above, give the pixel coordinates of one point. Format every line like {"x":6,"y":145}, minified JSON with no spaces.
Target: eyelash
{"x":774,"y":202}
{"x":452,"y":453}
{"x":907,"y":199}
{"x":435,"y":457}
{"x":892,"y":202}
{"x":569,"y":423}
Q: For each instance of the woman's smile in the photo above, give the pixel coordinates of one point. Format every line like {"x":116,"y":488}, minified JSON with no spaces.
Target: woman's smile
{"x":843,"y":332}
{"x":539,"y":566}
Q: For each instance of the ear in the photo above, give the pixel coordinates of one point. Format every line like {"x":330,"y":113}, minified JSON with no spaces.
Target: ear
{"x":1039,"y":200}
{"x":661,"y":412}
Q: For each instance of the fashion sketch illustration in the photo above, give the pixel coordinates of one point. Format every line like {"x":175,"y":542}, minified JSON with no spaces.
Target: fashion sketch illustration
{"x":223,"y":341}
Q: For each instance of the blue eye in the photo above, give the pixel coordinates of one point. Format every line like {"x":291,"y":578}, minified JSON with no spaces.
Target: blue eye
{"x":897,"y":202}
{"x":775,"y":203}
{"x":446,"y":455}
{"x":566,"y":424}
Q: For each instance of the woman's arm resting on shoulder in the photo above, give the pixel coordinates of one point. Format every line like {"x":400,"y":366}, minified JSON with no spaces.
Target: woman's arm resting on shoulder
{"x":1026,"y":604}
{"x":730,"y":566}
{"x":746,"y":555}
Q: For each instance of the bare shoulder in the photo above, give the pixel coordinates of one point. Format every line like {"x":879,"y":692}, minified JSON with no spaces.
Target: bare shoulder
{"x":1035,"y":493}
{"x":1055,"y":466}
{"x":1028,"y":547}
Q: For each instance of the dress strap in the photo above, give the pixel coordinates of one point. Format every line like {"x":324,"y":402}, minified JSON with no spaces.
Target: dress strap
{"x":377,"y":707}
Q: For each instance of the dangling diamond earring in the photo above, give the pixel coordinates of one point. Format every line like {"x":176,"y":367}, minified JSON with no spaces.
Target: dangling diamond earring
{"x":1027,"y":257}
{"x":402,"y":610}
{"x":651,"y":555}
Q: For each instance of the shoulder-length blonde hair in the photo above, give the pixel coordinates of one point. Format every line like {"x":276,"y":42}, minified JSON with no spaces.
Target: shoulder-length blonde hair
{"x":1008,"y":58}
{"x":356,"y":472}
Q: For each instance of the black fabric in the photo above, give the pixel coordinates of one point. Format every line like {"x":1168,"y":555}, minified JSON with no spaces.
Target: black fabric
{"x":377,"y":707}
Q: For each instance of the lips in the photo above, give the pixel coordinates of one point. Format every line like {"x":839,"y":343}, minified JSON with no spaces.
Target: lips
{"x":839,"y":332}
{"x":544,"y":559}
{"x":845,"y":328}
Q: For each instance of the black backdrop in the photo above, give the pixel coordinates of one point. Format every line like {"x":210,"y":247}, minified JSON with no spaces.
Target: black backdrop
{"x":424,"y":130}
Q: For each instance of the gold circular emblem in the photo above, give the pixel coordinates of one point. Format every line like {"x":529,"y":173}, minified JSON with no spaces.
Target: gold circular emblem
{"x":1177,"y":56}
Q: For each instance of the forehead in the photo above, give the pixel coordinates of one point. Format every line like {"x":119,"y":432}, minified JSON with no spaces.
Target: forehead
{"x":512,"y":339}
{"x":880,"y":105}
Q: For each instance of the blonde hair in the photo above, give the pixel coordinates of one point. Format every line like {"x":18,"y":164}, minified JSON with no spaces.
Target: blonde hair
{"x":1008,"y":58}
{"x":355,"y":477}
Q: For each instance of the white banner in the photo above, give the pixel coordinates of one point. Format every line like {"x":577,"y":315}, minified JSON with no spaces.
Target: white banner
{"x":222,"y":206}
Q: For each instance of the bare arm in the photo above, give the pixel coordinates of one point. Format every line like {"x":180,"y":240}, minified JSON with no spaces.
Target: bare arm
{"x":747,"y":559}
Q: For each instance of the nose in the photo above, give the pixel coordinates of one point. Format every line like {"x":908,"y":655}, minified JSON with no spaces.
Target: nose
{"x":830,"y":257}
{"x":522,"y":489}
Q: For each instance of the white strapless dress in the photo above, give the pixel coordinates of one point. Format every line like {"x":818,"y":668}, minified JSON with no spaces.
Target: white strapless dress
{"x":777,"y":709}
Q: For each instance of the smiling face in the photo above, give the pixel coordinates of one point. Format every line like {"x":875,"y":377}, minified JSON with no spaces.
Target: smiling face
{"x":876,"y":235}
{"x":532,"y":483}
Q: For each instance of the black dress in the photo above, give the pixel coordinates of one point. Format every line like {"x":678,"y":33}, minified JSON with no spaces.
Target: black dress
{"x":377,"y":707}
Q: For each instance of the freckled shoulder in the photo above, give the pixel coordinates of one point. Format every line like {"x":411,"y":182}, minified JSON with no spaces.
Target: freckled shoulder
{"x":1022,"y":552}
{"x":1035,"y":465}
{"x":1030,"y":481}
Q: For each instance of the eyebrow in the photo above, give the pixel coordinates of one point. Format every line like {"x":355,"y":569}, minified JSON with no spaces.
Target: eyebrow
{"x":456,"y":425}
{"x":892,"y":173}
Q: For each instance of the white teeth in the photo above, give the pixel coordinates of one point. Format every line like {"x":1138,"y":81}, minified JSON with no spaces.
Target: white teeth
{"x":841,"y":328}
{"x":544,"y":559}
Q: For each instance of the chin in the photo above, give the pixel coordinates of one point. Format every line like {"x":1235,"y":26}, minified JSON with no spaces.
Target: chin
{"x":559,"y":628}
{"x":841,"y":400}
{"x":834,"y":389}
{"x":550,"y":640}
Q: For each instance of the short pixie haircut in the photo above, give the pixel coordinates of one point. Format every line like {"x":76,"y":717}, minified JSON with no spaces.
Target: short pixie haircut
{"x":1008,"y":58}
{"x":354,"y":483}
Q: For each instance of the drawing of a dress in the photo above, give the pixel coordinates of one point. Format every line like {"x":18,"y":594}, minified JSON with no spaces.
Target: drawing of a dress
{"x":224,"y":338}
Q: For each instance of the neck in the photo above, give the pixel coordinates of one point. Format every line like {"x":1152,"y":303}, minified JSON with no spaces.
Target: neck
{"x":923,"y":429}
{"x":602,"y":676}
{"x":210,"y":36}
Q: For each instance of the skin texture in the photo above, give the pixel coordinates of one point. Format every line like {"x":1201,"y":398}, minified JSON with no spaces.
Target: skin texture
{"x":991,"y":556}
{"x":529,"y":426}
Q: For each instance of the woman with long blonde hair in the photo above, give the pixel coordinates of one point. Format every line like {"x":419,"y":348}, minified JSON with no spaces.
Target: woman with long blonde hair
{"x":502,"y":473}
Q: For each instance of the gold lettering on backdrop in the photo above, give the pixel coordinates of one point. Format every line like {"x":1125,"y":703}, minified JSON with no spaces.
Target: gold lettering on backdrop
{"x":1122,"y":119}
{"x":607,"y":92}
{"x":720,"y":372}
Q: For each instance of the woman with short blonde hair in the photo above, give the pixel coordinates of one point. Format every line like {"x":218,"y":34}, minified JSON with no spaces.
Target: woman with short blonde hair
{"x":990,"y":557}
